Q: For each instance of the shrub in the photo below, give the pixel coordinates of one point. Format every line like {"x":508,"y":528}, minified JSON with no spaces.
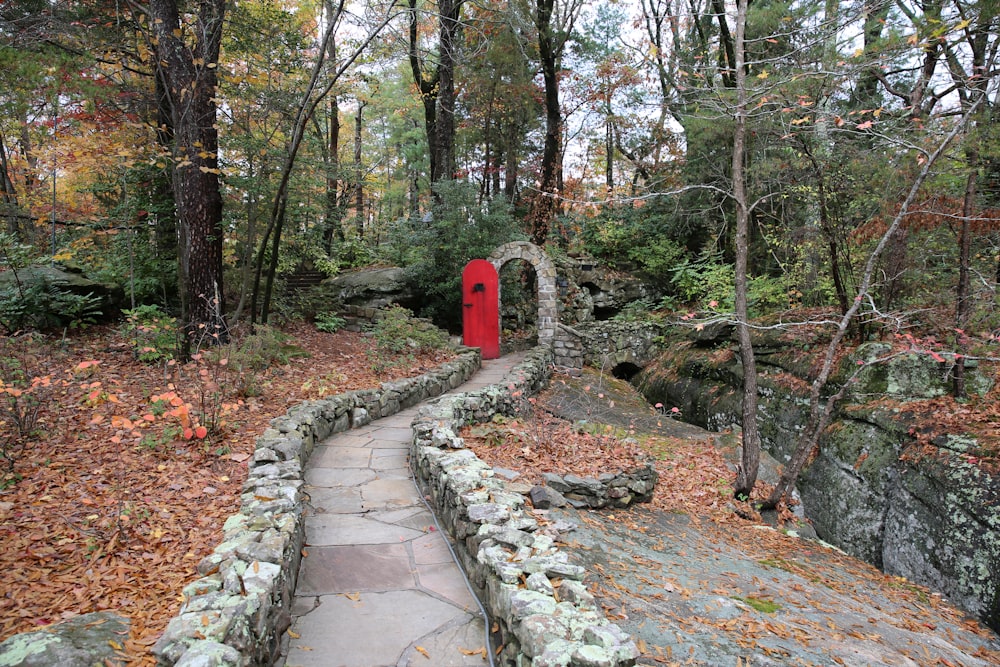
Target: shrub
{"x":25,"y":385}
{"x":329,"y":322}
{"x":152,"y":333}
{"x":309,"y":303}
{"x":706,"y":279}
{"x":265,"y":347}
{"x":43,"y":305}
{"x":396,"y":330}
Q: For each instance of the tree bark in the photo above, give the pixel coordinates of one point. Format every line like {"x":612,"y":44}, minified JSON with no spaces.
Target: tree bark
{"x":9,"y":194}
{"x":546,"y":204}
{"x":359,"y":174}
{"x":429,"y":89}
{"x":190,"y":75}
{"x":963,"y":301}
{"x":746,"y":474}
{"x":333,"y":212}
{"x":451,"y":11}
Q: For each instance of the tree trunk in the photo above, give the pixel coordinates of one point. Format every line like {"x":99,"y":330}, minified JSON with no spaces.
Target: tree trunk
{"x":429,"y":89}
{"x":359,"y":174}
{"x":163,"y":204}
{"x":333,"y":230}
{"x":963,"y":301}
{"x":727,"y":56}
{"x":746,"y":475}
{"x":190,"y":75}
{"x":312,"y":97}
{"x":545,"y":205}
{"x":819,"y":415}
{"x":450,"y":24}
{"x":9,"y":194}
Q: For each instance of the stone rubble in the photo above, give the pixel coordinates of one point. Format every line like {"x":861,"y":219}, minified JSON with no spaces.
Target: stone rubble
{"x":545,"y":616}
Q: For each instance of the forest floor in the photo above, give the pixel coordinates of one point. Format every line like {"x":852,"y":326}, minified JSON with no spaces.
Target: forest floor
{"x":127,"y":470}
{"x":130,"y":469}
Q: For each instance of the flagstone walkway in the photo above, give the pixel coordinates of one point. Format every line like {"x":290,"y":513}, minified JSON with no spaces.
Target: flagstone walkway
{"x":378,"y":586}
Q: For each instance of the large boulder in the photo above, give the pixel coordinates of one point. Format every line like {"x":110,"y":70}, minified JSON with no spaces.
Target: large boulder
{"x":82,"y":641}
{"x":108,"y":298}
{"x":374,"y":288}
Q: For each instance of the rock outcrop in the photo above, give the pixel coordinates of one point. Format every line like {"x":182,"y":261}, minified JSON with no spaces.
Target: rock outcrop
{"x":82,"y":641}
{"x":929,"y":514}
{"x":372,"y":289}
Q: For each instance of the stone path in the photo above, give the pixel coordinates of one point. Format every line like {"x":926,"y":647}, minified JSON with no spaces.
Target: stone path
{"x":378,"y":586}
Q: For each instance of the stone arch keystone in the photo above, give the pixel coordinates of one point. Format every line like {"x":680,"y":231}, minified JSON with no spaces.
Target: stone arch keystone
{"x":545,"y":271}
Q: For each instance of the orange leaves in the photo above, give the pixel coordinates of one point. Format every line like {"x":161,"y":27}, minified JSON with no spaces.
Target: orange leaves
{"x":110,"y":492}
{"x":90,"y":365}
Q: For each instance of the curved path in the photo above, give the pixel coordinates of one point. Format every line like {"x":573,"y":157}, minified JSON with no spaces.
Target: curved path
{"x":378,"y":586}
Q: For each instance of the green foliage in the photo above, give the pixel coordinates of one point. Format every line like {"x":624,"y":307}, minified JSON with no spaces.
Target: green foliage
{"x":265,"y":347}
{"x":330,"y":322}
{"x":131,"y":261}
{"x":44,"y":306}
{"x":309,"y":303}
{"x":766,"y":294}
{"x":707,"y":279}
{"x":658,"y":257}
{"x":354,"y":253}
{"x":649,"y":239}
{"x":462,"y":229}
{"x":395,"y":330}
{"x":153,"y":334}
{"x":240,"y":362}
{"x":636,"y":311}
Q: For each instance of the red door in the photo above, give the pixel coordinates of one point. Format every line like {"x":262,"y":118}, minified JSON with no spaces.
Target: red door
{"x":481,"y":308}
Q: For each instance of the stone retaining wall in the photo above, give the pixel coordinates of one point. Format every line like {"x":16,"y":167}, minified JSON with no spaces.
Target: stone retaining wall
{"x":237,"y":612}
{"x":545,"y":615}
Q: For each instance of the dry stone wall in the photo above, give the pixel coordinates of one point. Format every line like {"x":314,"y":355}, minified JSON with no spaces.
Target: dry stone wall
{"x":548,"y":307}
{"x":235,"y":614}
{"x":511,"y":559}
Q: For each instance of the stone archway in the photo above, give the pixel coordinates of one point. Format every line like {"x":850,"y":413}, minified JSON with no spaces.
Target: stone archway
{"x":545,"y":271}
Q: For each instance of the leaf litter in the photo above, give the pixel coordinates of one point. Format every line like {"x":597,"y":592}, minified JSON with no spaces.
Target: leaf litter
{"x":97,"y":514}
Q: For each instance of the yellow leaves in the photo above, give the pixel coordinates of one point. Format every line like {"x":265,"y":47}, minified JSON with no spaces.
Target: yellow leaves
{"x":422,"y":651}
{"x":474,"y":651}
{"x":293,"y":634}
{"x":763,"y":74}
